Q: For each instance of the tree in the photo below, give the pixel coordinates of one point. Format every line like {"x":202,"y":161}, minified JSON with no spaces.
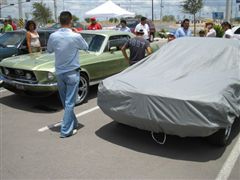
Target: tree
{"x":41,"y":13}
{"x":192,"y":7}
{"x":168,"y":18}
{"x":75,"y":18}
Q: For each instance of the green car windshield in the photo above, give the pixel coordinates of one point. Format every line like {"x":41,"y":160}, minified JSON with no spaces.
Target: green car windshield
{"x":94,"y":41}
{"x":10,"y":39}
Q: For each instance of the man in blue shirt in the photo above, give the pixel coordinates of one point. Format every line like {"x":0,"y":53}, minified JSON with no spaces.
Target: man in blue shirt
{"x":66,"y":45}
{"x":184,"y":30}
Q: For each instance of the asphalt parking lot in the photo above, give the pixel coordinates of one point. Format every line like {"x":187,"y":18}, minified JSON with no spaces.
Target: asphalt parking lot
{"x":102,"y":149}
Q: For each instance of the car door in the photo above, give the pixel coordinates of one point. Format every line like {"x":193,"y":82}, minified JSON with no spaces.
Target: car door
{"x":113,"y":59}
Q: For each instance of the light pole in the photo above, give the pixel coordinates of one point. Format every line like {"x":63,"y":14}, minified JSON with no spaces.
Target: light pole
{"x":161,"y":10}
{"x":55,"y":10}
{"x":152,"y":11}
{"x":228,"y":10}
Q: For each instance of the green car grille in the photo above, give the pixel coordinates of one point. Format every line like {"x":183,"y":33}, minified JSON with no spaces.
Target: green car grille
{"x":19,"y":75}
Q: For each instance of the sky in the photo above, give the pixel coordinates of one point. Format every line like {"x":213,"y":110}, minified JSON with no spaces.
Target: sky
{"x":142,"y":7}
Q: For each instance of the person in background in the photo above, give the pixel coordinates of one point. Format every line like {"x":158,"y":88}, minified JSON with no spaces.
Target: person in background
{"x":138,"y":47}
{"x":32,"y":37}
{"x":170,"y":36}
{"x":94,"y":24}
{"x":66,"y":43}
{"x":184,"y":30}
{"x":14,"y":26}
{"x":227,"y":27}
{"x":6,"y":26}
{"x":202,"y":33}
{"x":123,"y":26}
{"x":210,"y":31}
{"x":144,"y":26}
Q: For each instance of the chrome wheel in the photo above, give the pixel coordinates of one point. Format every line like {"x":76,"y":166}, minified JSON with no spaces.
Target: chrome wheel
{"x":82,"y":90}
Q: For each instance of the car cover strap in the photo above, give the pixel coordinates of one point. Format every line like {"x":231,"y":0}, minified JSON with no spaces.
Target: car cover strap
{"x":157,"y":141}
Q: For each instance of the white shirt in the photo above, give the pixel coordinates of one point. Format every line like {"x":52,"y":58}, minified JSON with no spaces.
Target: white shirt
{"x":145,"y":29}
{"x":228,"y":34}
{"x":211,"y":33}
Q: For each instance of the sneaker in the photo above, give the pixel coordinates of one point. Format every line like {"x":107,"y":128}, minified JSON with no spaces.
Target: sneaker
{"x":65,"y":136}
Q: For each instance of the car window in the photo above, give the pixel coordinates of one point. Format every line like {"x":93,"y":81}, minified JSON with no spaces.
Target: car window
{"x":117,"y":41}
{"x":94,"y":41}
{"x":237,"y":31}
{"x":12,"y":38}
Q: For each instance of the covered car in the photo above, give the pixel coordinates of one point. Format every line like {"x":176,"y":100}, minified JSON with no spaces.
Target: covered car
{"x":189,"y":87}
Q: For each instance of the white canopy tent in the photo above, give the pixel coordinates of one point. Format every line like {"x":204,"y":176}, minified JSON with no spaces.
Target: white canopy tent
{"x":109,"y":9}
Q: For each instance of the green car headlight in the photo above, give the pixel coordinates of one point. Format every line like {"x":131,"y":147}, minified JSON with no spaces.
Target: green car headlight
{"x":6,"y":71}
{"x":50,"y":76}
{"x":28,"y":76}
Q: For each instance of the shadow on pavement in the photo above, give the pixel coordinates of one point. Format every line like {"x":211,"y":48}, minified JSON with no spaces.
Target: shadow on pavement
{"x":190,"y":148}
{"x":57,"y":129}
{"x":50,"y":104}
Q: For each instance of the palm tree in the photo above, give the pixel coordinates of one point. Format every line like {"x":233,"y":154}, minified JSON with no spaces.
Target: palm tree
{"x":41,"y":13}
{"x":192,"y":7}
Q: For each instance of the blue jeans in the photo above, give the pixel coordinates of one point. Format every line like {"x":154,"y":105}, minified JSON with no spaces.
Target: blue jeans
{"x":68,"y":88}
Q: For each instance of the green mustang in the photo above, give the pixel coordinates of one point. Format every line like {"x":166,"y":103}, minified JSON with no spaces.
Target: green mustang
{"x":34,"y":74}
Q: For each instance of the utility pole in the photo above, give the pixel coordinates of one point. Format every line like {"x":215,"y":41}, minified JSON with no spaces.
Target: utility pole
{"x":55,"y":11}
{"x":228,"y":15}
{"x":20,"y":13}
{"x":161,"y":10}
{"x":152,"y":11}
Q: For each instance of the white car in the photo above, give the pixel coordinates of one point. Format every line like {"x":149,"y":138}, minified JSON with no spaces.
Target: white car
{"x":236,"y":32}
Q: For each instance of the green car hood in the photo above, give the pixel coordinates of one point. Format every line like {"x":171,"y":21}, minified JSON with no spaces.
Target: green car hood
{"x":40,"y":62}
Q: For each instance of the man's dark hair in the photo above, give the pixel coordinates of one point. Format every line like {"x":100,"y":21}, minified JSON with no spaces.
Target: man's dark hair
{"x":65,"y":18}
{"x":185,"y":20}
{"x":226,"y":23}
{"x":123,"y":21}
{"x":29,"y":23}
{"x":143,"y":18}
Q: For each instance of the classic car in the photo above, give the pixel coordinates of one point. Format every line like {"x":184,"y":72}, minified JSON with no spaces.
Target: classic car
{"x":34,"y":74}
{"x":14,"y":43}
{"x":189,"y":87}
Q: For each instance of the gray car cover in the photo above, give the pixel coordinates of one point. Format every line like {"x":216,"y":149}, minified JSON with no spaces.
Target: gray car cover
{"x":189,"y":87}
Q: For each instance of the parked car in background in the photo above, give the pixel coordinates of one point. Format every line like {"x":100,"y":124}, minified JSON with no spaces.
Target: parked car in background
{"x":180,"y":90}
{"x":14,"y":43}
{"x":236,"y":32}
{"x":132,"y":23}
{"x":35,"y":74}
{"x":79,"y":26}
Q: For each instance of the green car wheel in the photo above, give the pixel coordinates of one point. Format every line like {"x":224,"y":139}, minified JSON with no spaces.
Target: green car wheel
{"x":83,"y":89}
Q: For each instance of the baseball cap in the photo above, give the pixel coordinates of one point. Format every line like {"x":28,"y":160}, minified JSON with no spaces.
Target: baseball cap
{"x":140,"y":31}
{"x":92,"y":19}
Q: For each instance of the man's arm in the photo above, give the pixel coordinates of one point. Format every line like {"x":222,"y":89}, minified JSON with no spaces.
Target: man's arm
{"x":125,"y":53}
{"x":149,"y":50}
{"x":82,"y":44}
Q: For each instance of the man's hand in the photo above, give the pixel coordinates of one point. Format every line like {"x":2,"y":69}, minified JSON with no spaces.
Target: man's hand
{"x":75,"y":30}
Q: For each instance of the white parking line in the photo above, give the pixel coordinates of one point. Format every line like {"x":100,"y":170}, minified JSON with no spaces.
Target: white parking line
{"x":230,"y":162}
{"x":59,"y":123}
